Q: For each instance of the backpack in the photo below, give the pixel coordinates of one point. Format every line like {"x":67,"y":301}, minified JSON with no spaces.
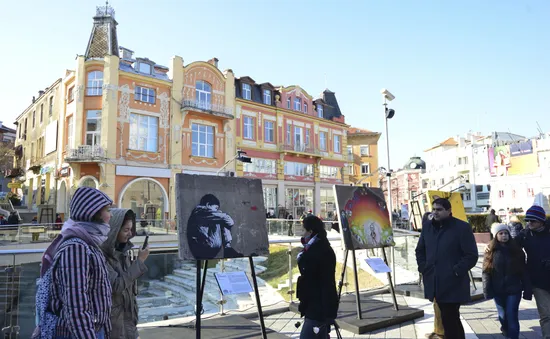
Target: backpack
{"x":46,"y":319}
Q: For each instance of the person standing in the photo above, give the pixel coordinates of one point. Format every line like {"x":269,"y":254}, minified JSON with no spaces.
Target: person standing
{"x":535,"y":240}
{"x":505,"y":278}
{"x":13,"y":219}
{"x":446,"y":251}
{"x":316,"y":286}
{"x":490,"y":220}
{"x":123,"y":273}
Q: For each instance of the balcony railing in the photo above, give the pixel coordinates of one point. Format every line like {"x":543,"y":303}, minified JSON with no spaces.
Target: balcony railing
{"x":299,"y":148}
{"x":208,"y":107}
{"x":85,"y":153}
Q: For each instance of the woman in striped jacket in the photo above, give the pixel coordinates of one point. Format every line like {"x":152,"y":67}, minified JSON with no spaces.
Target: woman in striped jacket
{"x":81,"y":292}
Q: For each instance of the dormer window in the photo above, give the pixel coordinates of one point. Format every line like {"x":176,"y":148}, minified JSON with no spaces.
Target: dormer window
{"x":319,"y":110}
{"x":267,"y":97}
{"x":297,"y":104}
{"x":144,"y":68}
{"x":288,"y":103}
{"x":247,"y":92}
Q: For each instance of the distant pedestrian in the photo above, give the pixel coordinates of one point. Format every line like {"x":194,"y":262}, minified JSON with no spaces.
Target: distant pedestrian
{"x":535,"y":240}
{"x":490,"y":220}
{"x":3,"y":221}
{"x":316,"y":286}
{"x":515,"y":226}
{"x":445,"y":253}
{"x":13,"y":219}
{"x":505,"y":278}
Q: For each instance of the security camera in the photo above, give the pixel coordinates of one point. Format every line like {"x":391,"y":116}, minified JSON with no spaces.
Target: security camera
{"x":387,"y":94}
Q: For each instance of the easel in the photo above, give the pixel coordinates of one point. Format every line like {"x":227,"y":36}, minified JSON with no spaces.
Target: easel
{"x":357,"y":296}
{"x":416,"y":214}
{"x":200,"y":292}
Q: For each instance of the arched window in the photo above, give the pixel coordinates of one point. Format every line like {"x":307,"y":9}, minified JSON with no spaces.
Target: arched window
{"x":95,"y":83}
{"x":203,"y":93}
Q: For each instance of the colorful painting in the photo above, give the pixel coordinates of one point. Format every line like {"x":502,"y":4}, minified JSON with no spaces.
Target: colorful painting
{"x":364,"y":217}
{"x":220,"y":217}
{"x":457,"y":206}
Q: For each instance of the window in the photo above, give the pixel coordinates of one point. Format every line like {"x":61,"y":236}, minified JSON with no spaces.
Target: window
{"x":297,"y":104}
{"x":412,"y":195}
{"x":41,"y":113}
{"x":93,"y":127}
{"x":366,"y":184}
{"x":143,"y":132}
{"x":337,"y":144}
{"x":350,"y":150}
{"x":305,"y":107}
{"x":70,"y":94}
{"x":203,"y":94}
{"x":288,"y":135}
{"x":33,"y":118}
{"x":259,"y":165}
{"x":247,"y":92}
{"x":51,"y":106}
{"x":298,"y":137}
{"x":365,"y":151}
{"x":269,"y":131}
{"x":70,"y":133}
{"x":319,"y":110}
{"x":351,"y":169}
{"x":442,"y":181}
{"x":323,"y":141}
{"x":466,"y":196}
{"x":248,"y":130}
{"x":307,"y":137}
{"x":298,"y":168}
{"x":288,"y":103}
{"x":267,"y":97}
{"x":203,"y":141}
{"x":144,"y":94}
{"x":365,"y":169}
{"x":95,"y":83}
{"x":329,"y":172}
{"x":144,"y":68}
{"x":460,"y":161}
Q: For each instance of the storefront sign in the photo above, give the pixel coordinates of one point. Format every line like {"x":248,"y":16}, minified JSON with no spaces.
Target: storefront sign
{"x":65,"y":172}
{"x":14,"y":185}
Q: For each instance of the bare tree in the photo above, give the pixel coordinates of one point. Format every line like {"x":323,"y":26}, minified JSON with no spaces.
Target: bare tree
{"x":7,"y":152}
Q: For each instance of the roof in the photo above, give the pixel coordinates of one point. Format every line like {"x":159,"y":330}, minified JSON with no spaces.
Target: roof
{"x":332,"y":110}
{"x":103,"y":39}
{"x":357,"y":130}
{"x":448,"y":142}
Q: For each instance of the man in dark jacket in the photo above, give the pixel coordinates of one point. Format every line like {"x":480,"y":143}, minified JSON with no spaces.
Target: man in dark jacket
{"x":13,"y":218}
{"x":446,"y":251}
{"x":535,"y":240}
{"x":490,"y":220}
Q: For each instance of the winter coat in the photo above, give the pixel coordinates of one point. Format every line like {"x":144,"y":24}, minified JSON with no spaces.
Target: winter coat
{"x":13,"y":219}
{"x":537,"y":247}
{"x":490,"y":220}
{"x":502,"y":280}
{"x":445,"y":253}
{"x":515,"y":228}
{"x":316,"y":287}
{"x":123,"y":275}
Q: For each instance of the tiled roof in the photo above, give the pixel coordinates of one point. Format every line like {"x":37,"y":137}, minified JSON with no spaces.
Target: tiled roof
{"x":448,"y":142}
{"x":103,"y":39}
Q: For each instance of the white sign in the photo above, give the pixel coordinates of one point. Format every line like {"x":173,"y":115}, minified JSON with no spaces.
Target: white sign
{"x":233,"y":283}
{"x":50,"y":138}
{"x":378,"y":265}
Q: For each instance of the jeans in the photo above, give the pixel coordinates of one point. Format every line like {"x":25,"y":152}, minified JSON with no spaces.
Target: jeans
{"x":450,"y":316}
{"x":308,"y":331}
{"x":542,"y":297}
{"x":507,"y":308}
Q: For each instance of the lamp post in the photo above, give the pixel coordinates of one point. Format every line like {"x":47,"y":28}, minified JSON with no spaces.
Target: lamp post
{"x":388,"y":114}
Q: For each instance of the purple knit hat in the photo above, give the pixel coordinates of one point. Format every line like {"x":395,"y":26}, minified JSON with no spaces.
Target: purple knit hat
{"x":535,"y":213}
{"x":86,"y":202}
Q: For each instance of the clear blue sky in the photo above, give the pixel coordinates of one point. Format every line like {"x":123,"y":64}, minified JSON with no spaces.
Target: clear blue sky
{"x":453,"y":66}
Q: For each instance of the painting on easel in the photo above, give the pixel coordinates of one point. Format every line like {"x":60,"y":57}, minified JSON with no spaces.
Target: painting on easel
{"x":364,"y":217}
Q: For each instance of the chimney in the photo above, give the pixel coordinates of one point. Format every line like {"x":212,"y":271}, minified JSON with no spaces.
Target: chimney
{"x":33,"y":99}
{"x":125,"y":53}
{"x":40,"y":93}
{"x":214,"y":61}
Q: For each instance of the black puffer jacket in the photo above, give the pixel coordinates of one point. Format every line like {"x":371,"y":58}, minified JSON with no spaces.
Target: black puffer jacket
{"x":503,"y":279}
{"x":316,"y":286}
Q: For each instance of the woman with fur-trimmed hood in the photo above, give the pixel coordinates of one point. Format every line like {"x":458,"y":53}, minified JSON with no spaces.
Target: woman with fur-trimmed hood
{"x":123,"y":273}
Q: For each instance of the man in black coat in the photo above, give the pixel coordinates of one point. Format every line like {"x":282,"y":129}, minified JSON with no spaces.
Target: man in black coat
{"x":446,"y":251}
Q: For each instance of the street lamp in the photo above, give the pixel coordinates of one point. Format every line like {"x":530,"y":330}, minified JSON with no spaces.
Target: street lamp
{"x":388,"y":114}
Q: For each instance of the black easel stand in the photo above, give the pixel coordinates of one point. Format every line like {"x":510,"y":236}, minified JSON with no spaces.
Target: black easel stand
{"x":392,"y":290}
{"x":341,"y":282}
{"x":200,"y":293}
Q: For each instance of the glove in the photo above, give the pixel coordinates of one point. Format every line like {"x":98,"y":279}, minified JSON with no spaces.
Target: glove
{"x":527,"y":296}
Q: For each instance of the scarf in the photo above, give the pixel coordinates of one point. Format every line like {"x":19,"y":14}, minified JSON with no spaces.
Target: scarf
{"x":96,"y":232}
{"x":307,"y":242}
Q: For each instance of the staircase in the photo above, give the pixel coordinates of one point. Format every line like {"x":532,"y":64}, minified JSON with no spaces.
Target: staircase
{"x":175,"y":294}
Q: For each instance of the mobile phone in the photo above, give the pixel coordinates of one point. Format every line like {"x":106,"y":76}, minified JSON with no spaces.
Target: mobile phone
{"x":145,"y":243}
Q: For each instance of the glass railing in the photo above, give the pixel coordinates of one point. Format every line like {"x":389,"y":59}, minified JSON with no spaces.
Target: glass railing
{"x":167,"y":290}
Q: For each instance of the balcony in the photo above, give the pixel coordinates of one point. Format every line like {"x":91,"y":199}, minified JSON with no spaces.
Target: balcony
{"x":207,"y":107}
{"x":299,"y":149}
{"x":85,"y":153}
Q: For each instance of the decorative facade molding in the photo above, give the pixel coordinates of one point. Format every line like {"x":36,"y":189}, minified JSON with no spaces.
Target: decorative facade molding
{"x":164,"y":109}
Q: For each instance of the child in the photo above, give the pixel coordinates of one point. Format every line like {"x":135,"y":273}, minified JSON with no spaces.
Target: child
{"x":505,"y":277}
{"x":123,"y":273}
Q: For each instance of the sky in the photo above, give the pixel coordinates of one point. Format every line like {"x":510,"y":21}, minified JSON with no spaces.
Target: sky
{"x":453,"y":66}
